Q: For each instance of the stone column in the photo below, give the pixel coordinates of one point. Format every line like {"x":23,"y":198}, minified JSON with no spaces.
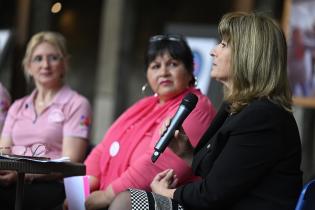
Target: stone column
{"x":108,"y":63}
{"x":18,"y":83}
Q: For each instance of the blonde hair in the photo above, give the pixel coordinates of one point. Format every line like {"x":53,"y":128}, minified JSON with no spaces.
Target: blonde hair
{"x":55,"y":39}
{"x":258,"y":60}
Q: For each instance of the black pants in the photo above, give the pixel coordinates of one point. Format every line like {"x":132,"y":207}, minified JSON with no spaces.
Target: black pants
{"x":37,"y":196}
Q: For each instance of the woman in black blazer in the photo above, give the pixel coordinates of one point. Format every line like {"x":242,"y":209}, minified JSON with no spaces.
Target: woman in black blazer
{"x":249,"y":158}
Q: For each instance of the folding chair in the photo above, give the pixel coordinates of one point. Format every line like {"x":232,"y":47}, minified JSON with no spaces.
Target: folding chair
{"x":307,"y":197}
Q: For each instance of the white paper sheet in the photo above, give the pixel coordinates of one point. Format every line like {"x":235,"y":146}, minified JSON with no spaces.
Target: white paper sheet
{"x":77,"y":190}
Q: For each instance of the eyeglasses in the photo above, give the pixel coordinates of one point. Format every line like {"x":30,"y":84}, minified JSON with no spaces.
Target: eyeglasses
{"x":168,"y":37}
{"x":34,"y":150}
{"x":50,"y":58}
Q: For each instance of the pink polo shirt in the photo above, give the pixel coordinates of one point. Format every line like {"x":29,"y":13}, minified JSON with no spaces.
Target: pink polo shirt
{"x":68,"y":115}
{"x":5,"y":101}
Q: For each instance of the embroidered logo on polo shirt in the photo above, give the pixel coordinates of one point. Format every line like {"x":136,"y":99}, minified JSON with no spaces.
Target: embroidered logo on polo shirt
{"x":56,"y":115}
{"x":85,"y":121}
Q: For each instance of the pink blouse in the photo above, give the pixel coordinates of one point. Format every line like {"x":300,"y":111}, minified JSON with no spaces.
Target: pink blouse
{"x":123,"y":158}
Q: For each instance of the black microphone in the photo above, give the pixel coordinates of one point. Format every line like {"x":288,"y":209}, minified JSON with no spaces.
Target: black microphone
{"x":187,"y":105}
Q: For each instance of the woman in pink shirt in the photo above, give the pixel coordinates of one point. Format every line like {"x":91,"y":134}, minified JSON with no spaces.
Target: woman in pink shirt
{"x":123,"y":158}
{"x":52,"y":121}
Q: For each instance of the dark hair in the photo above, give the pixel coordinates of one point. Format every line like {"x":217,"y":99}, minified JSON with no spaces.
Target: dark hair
{"x":175,"y":45}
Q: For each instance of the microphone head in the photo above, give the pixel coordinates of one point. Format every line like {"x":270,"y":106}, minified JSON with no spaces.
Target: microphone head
{"x":189,"y":101}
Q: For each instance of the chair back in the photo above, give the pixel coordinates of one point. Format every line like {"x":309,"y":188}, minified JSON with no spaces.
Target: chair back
{"x":307,"y":197}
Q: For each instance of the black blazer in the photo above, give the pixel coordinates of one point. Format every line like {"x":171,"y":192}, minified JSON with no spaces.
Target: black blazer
{"x":247,"y":161}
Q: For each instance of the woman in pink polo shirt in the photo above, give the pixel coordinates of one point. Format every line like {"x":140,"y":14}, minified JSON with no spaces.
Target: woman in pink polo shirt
{"x":123,"y":158}
{"x":52,"y":121}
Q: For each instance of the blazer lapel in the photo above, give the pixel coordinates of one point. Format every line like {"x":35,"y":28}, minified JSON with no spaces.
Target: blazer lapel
{"x":217,"y":122}
{"x":207,"y":143}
